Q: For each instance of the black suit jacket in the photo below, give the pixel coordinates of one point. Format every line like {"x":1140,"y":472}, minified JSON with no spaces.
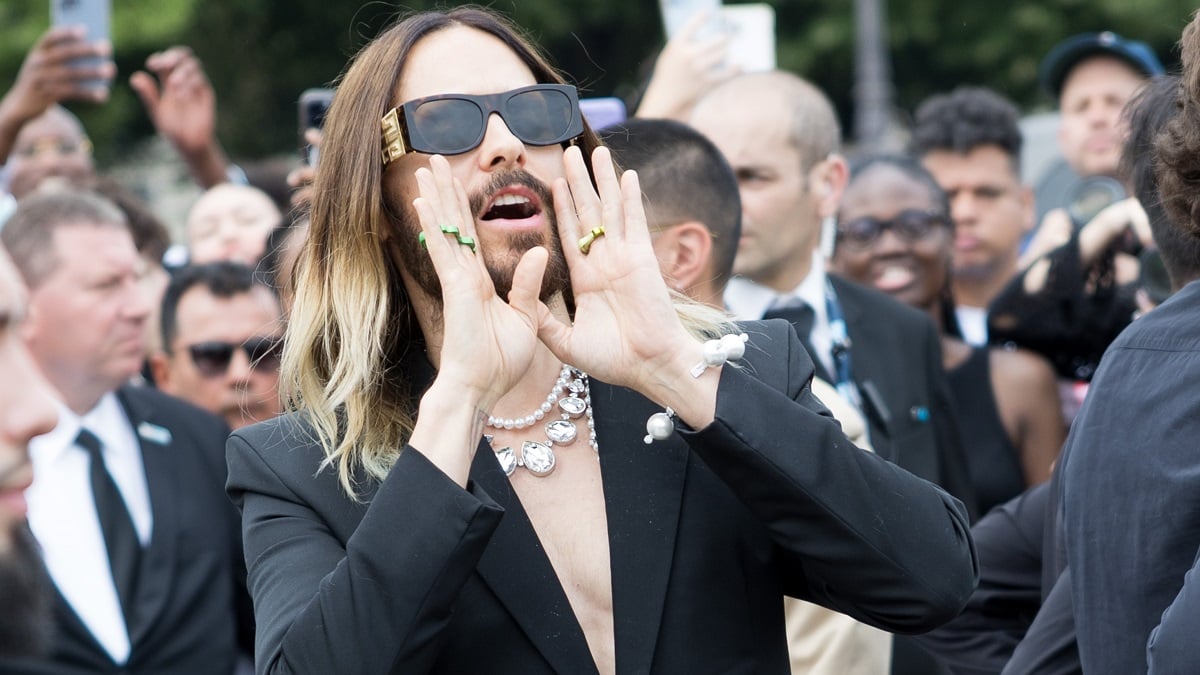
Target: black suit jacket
{"x":897,"y":360}
{"x":192,"y":603}
{"x":707,"y":531}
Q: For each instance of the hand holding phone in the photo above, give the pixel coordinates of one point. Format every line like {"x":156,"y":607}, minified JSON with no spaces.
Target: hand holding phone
{"x":93,"y":17}
{"x":48,"y":76}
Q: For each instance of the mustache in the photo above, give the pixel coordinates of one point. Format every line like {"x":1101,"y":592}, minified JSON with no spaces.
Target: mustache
{"x":478,"y":200}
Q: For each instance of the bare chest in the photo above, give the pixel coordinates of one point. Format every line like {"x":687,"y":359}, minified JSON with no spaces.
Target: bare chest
{"x":567,"y":511}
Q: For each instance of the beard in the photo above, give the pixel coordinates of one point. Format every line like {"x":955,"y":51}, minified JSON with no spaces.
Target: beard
{"x":500,"y":261}
{"x":25,"y":622}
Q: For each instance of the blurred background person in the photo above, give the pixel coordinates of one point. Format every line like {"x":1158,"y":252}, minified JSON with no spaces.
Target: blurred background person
{"x":1020,"y":620}
{"x":782,"y":138}
{"x":970,"y":140}
{"x":1079,"y":273}
{"x":1090,"y":76}
{"x":694,"y":214}
{"x":222,"y":329}
{"x":127,"y":502}
{"x":25,"y":593}
{"x":230,"y":222}
{"x":894,"y":233}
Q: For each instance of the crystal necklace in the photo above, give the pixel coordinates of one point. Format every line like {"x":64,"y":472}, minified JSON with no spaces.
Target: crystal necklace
{"x":573,"y":395}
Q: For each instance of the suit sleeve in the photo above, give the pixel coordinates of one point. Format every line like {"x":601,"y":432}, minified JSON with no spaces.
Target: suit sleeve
{"x":857,"y":533}
{"x":381,"y":598}
{"x":1008,"y":540}
{"x":1172,"y":645}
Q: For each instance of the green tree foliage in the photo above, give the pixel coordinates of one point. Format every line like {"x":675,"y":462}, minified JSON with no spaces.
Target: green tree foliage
{"x":260,"y":54}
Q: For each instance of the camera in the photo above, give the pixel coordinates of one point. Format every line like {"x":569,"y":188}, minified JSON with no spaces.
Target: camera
{"x":1092,"y":195}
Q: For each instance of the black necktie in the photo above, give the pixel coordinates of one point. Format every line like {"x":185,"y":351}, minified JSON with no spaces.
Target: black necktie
{"x":120,"y":537}
{"x":801,"y":317}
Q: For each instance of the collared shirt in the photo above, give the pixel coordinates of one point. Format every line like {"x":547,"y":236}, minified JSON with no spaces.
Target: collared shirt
{"x":62,"y":514}
{"x":749,"y":301}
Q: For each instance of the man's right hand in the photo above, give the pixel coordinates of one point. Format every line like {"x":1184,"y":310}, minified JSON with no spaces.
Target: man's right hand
{"x":50,"y":75}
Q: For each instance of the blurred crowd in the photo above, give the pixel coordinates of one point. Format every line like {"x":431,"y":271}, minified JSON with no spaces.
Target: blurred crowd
{"x":1037,"y":370}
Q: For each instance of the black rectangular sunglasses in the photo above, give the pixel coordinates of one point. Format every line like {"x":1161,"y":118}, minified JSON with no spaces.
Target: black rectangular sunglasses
{"x":451,"y":124}
{"x":212,"y":358}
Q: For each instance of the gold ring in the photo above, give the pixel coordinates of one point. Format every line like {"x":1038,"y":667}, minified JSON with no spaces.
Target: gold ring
{"x":585,"y":242}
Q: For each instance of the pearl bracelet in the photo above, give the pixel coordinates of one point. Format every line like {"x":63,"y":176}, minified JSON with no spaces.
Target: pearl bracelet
{"x":661,"y":425}
{"x":717,"y":352}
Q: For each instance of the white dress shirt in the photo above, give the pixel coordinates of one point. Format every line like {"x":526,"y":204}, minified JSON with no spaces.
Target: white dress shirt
{"x":62,"y":514}
{"x":748,"y":301}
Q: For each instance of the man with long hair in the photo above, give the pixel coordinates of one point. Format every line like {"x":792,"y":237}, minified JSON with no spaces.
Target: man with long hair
{"x":512,"y":450}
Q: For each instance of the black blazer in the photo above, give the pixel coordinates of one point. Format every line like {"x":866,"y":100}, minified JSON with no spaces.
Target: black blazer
{"x":897,"y":360}
{"x":193,"y":606}
{"x":707,"y":531}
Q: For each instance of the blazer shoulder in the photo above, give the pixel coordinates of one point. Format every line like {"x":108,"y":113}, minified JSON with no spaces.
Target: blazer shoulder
{"x":287,"y":443}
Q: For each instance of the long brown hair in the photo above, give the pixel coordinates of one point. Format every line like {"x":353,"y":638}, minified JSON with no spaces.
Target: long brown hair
{"x":352,"y":320}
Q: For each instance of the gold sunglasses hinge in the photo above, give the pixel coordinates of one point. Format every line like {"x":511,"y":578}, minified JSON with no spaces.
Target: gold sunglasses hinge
{"x":393,"y":137}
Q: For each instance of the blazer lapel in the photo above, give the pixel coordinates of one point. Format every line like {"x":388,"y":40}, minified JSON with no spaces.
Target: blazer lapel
{"x":516,"y":568}
{"x":643,"y":488}
{"x":158,"y":559}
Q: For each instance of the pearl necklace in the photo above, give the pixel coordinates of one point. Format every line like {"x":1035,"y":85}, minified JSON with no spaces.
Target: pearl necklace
{"x":538,"y":457}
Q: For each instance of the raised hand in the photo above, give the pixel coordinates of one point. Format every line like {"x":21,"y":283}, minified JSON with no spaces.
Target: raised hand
{"x":50,"y":74}
{"x":181,"y":103}
{"x":487,"y":343}
{"x":625,"y":330}
{"x":688,"y":67}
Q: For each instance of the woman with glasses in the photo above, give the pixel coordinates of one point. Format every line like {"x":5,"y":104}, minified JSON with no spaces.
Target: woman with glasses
{"x":894,"y":233}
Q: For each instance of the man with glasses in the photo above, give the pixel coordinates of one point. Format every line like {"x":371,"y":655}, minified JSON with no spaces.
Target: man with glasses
{"x":221,"y":333}
{"x":509,"y":453}
{"x":781,"y":136}
{"x":127,"y":502}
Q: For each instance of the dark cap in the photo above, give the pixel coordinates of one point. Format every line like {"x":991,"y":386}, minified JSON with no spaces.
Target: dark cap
{"x":1068,"y":53}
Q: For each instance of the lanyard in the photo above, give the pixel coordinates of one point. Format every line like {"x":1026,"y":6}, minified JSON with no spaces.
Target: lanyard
{"x":843,"y":372}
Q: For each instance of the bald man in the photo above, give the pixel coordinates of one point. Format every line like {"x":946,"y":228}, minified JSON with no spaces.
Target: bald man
{"x":781,"y":136}
{"x":694,"y":213}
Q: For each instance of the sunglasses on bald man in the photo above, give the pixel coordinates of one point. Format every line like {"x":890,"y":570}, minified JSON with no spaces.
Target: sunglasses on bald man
{"x":451,"y":124}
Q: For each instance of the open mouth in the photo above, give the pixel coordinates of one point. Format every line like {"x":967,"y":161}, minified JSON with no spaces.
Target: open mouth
{"x":893,"y":278}
{"x":512,"y":206}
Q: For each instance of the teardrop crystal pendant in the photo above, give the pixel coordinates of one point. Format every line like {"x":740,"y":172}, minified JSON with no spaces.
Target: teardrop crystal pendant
{"x":507,"y":459}
{"x":537,"y":457}
{"x":573,"y":406}
{"x":561,"y":432}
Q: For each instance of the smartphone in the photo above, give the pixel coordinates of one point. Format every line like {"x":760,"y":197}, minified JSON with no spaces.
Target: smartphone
{"x":602,"y":112}
{"x":94,"y":16}
{"x":676,"y":14}
{"x":751,"y":28}
{"x":314,"y":103}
